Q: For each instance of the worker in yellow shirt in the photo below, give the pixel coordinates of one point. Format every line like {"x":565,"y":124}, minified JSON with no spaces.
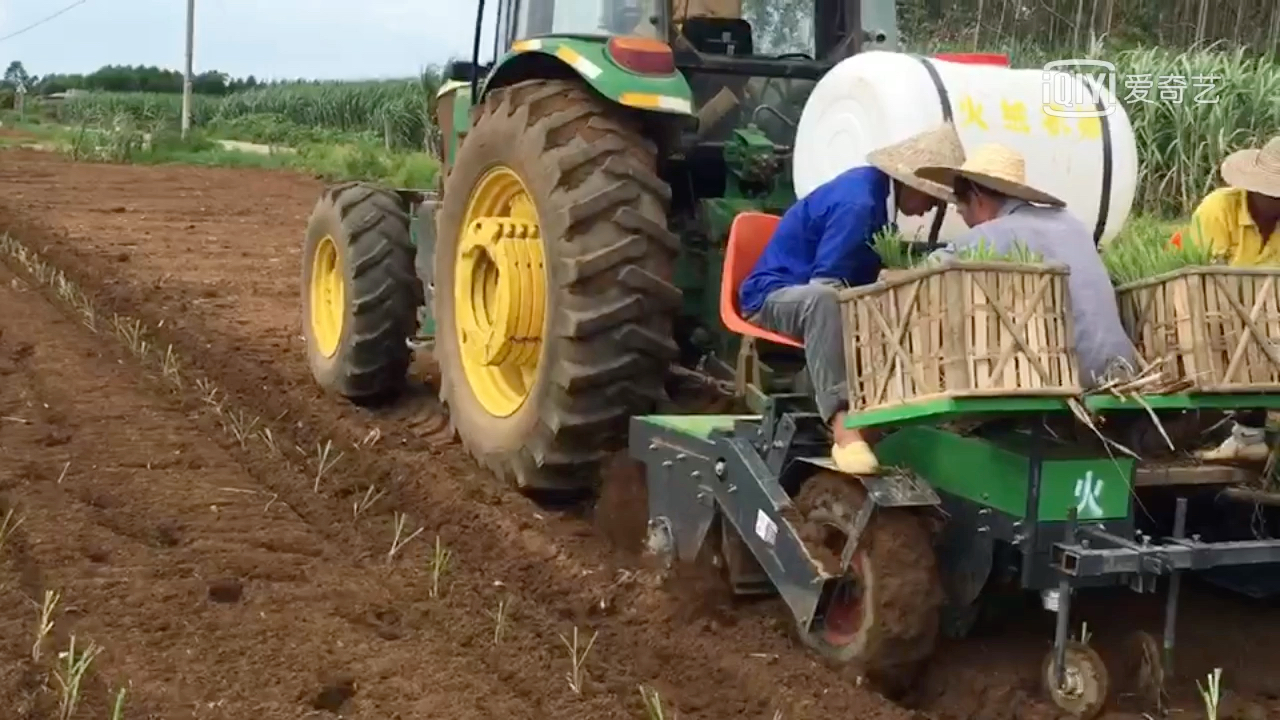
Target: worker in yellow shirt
{"x":1241,"y":224}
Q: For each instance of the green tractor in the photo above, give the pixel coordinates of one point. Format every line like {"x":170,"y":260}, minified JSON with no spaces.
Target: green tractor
{"x":573,"y":253}
{"x":569,"y":276}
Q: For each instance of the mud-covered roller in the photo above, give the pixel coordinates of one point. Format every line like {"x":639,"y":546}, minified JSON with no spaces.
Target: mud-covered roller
{"x":877,"y":98}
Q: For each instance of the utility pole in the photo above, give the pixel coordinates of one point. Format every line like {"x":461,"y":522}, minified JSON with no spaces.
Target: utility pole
{"x":186,"y":80}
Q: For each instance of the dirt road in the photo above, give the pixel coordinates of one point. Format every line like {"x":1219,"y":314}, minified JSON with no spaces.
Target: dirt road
{"x":197,"y":530}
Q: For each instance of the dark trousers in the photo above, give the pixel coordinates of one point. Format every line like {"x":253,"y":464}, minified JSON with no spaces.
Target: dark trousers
{"x":811,"y":313}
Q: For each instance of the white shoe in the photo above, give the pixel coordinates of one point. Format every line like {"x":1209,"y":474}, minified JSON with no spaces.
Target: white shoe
{"x":1247,"y":449}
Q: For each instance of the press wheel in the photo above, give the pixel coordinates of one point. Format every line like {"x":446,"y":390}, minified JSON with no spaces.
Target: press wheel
{"x":1085,"y":682}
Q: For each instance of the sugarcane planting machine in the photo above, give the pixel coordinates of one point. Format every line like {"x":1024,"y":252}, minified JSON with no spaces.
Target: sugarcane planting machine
{"x":575,"y":273}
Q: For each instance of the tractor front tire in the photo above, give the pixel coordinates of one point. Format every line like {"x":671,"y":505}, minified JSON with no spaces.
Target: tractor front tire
{"x":359,"y":291}
{"x":604,"y":286}
{"x":889,"y":625}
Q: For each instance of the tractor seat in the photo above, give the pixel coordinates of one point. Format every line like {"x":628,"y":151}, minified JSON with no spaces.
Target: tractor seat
{"x":748,"y":236}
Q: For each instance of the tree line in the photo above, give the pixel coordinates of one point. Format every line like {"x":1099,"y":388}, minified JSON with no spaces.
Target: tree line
{"x":126,"y":78}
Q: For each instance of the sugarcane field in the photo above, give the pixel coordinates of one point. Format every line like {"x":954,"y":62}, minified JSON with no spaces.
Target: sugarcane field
{"x":641,"y":360}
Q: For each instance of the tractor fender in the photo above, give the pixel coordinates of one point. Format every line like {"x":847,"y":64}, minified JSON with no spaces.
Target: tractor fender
{"x":453,"y":119}
{"x":567,"y":57}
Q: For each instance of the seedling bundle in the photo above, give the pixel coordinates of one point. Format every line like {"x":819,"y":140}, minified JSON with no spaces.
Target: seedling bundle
{"x":1205,"y":326}
{"x":985,"y":324}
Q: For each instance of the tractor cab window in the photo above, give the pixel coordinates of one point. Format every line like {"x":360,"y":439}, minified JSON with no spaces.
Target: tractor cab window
{"x":781,"y":27}
{"x":589,"y":17}
{"x":759,"y":28}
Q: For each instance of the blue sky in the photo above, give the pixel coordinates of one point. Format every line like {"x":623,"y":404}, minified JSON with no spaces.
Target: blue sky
{"x":266,"y":38}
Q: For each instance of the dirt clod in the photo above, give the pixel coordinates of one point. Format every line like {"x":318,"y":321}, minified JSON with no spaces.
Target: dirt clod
{"x":226,"y":590}
{"x":335,"y":693}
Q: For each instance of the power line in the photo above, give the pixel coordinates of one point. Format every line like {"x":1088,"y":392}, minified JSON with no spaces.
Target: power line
{"x":38,"y":23}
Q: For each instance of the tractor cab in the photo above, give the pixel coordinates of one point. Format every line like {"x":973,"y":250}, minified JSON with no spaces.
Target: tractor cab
{"x":754,"y":64}
{"x":748,"y":63}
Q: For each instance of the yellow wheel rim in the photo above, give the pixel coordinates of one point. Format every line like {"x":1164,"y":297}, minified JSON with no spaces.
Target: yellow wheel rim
{"x":500,"y":292}
{"x":328,"y":297}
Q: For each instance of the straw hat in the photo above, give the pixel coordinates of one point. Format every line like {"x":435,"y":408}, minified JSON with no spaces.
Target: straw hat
{"x":994,"y":166}
{"x":1255,"y":170}
{"x":940,"y":146}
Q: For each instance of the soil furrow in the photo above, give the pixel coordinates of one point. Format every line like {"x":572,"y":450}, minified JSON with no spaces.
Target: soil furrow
{"x":556,"y":567}
{"x":207,"y":601}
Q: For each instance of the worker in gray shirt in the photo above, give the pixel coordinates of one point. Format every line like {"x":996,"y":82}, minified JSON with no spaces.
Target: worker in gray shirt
{"x":1001,"y":210}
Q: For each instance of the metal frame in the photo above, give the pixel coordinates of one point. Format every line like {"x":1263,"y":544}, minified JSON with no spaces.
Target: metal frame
{"x":744,"y":476}
{"x":1092,"y":552}
{"x":1099,"y":553}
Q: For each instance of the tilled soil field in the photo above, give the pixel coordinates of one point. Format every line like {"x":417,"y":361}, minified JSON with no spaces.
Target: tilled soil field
{"x":223,"y":531}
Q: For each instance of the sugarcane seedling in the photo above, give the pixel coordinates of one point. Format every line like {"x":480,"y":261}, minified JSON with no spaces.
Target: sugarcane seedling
{"x":46,"y":622}
{"x":240,"y":425}
{"x":70,"y":674}
{"x":439,"y":565}
{"x":578,"y":657}
{"x":370,"y":497}
{"x":324,"y":462}
{"x":169,"y":366}
{"x":652,"y":704}
{"x":1211,"y":695}
{"x":499,"y":620}
{"x":117,"y":708}
{"x":400,"y":540}
{"x":8,"y":525}
{"x":269,"y":439}
{"x":89,"y":317}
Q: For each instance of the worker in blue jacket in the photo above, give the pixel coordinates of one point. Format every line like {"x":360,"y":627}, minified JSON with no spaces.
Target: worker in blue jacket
{"x":824,"y":243}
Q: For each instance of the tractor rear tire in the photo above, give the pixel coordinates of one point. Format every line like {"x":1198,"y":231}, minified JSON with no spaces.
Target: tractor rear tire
{"x":607,"y":339}
{"x":891,"y":627}
{"x":358,"y":236}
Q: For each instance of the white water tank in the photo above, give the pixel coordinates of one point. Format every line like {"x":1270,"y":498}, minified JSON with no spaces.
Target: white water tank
{"x":877,"y":98}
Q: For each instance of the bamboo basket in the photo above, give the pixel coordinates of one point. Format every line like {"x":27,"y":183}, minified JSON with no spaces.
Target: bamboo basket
{"x":1212,"y":328}
{"x":970,"y":329}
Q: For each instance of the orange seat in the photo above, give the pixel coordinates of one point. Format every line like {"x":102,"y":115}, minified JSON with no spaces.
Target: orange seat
{"x":748,"y":236}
